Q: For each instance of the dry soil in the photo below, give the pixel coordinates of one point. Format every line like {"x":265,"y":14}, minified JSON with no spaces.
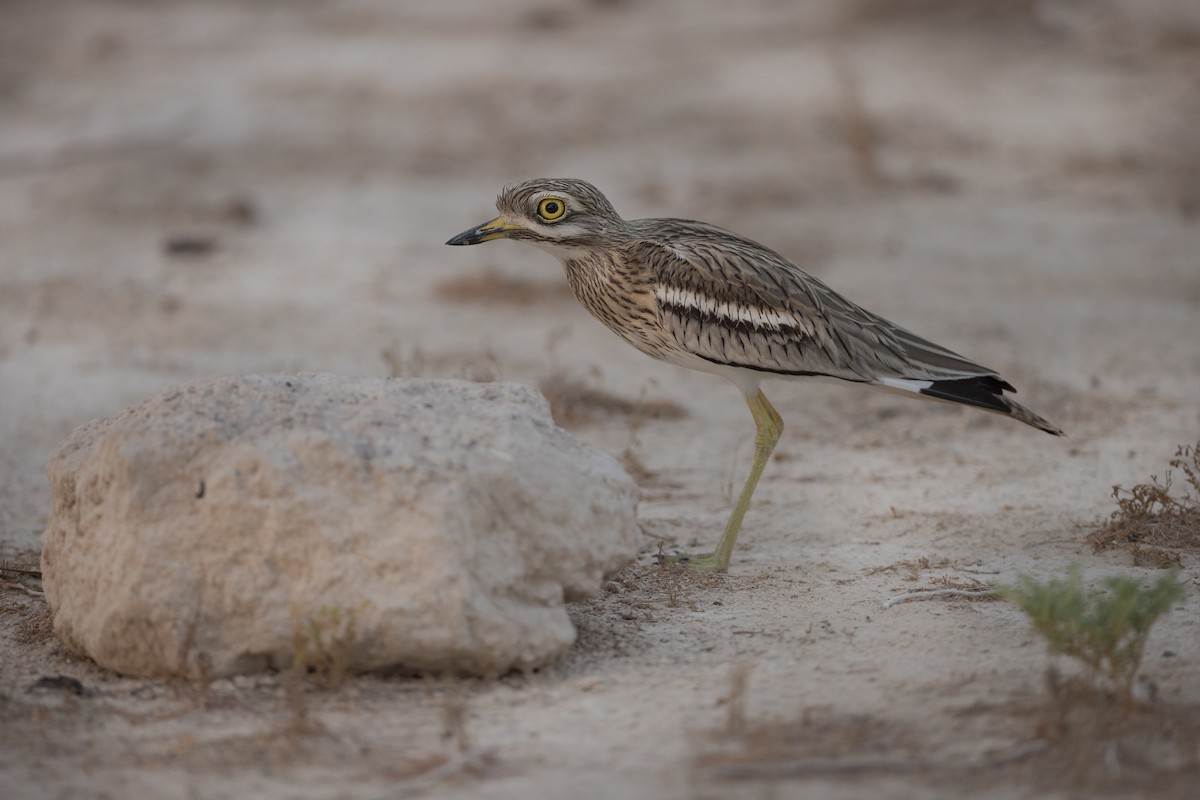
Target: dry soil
{"x":190,"y":189}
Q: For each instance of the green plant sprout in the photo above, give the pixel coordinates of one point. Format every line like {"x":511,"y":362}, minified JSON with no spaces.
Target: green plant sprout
{"x":1105,"y":628}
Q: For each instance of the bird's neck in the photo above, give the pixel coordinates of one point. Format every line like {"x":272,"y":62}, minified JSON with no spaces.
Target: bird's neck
{"x":590,"y":271}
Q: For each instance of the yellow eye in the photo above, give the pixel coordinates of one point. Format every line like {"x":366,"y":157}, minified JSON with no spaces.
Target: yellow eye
{"x":551,"y":208}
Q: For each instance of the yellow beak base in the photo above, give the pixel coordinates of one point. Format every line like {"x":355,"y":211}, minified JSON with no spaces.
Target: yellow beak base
{"x":495,"y":229}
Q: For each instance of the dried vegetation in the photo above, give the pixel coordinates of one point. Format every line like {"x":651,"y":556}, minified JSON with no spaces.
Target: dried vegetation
{"x":1155,"y":525}
{"x":1075,"y":737}
{"x":492,"y":286}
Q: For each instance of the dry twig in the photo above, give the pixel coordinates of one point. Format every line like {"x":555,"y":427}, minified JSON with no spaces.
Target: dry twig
{"x":19,"y":587}
{"x":932,"y":593}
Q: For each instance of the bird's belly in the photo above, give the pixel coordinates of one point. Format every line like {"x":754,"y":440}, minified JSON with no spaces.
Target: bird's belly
{"x":646,"y":336}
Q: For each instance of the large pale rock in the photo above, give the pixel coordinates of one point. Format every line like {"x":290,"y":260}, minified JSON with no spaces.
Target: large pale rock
{"x":228,"y":525}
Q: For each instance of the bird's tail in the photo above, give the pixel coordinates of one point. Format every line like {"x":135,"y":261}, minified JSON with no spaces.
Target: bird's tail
{"x":982,"y":391}
{"x":1023,"y":414}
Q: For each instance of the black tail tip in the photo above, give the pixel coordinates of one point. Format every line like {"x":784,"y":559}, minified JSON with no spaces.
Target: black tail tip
{"x":987,"y":392}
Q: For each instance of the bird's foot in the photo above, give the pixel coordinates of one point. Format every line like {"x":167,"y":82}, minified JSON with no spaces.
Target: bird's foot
{"x":706,"y":562}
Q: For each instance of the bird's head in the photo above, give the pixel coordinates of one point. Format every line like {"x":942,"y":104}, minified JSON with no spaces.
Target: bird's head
{"x":559,"y":215}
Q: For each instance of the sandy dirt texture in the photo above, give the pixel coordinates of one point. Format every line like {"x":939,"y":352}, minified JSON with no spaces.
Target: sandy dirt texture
{"x":191,"y":189}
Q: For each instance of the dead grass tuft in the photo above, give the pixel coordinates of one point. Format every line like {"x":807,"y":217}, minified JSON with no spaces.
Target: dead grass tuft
{"x":735,"y":703}
{"x":455,"y":714}
{"x":637,"y":592}
{"x":967,"y":12}
{"x":494,"y":287}
{"x":20,"y":570}
{"x":821,"y":742}
{"x":1079,"y":740}
{"x":912,"y":567}
{"x":1099,"y":740}
{"x":23,"y":603}
{"x":324,"y":643}
{"x":861,"y":130}
{"x":575,"y":402}
{"x":413,"y":362}
{"x":1154,"y":525}
{"x":35,"y":625}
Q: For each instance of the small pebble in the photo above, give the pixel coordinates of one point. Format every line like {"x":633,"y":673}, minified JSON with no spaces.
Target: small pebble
{"x":189,"y":245}
{"x":57,"y":683}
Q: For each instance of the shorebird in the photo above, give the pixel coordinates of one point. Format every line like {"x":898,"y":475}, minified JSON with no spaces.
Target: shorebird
{"x":695,"y":295}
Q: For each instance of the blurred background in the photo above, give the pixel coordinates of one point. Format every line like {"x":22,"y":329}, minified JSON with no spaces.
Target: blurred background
{"x":199,"y":188}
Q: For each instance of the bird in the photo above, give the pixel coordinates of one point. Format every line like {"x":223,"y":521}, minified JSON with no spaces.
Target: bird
{"x":698,"y":296}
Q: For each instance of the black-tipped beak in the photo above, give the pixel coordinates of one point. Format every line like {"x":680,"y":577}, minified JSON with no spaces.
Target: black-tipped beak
{"x":496,"y":229}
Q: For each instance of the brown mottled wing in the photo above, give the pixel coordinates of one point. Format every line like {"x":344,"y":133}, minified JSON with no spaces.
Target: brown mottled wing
{"x":732,"y":301}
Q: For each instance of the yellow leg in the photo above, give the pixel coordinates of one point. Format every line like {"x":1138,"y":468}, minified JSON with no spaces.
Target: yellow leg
{"x":768,"y":427}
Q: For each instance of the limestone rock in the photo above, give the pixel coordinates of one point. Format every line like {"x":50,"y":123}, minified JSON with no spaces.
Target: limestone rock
{"x":228,"y":525}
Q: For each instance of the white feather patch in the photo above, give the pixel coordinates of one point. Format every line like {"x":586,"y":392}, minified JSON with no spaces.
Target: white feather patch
{"x":759,"y":317}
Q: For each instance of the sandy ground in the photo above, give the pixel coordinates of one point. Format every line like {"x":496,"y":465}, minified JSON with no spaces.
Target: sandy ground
{"x":192,"y":189}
